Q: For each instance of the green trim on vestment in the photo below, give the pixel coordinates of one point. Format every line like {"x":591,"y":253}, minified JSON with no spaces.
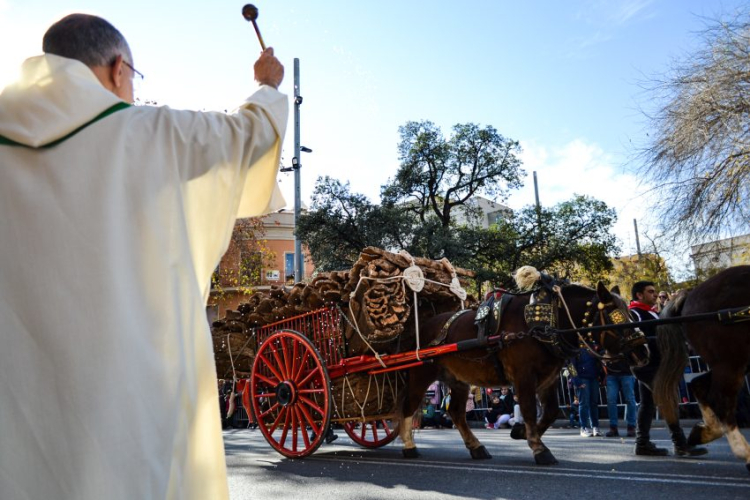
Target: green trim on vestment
{"x":103,"y":114}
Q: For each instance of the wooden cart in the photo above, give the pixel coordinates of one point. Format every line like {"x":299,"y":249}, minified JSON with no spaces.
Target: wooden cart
{"x":302,"y":381}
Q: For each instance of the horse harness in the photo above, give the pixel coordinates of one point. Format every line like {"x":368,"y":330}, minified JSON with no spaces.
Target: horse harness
{"x":615,"y":317}
{"x":542,"y":317}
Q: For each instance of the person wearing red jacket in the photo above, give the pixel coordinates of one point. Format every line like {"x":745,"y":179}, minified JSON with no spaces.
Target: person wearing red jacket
{"x":642,"y":308}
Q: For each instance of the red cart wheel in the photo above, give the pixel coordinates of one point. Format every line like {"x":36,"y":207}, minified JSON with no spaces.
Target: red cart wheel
{"x":291,"y":395}
{"x":243,"y":387}
{"x":371,"y":434}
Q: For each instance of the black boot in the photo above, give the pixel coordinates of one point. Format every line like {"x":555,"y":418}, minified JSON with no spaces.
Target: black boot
{"x":330,"y":435}
{"x":649,"y":449}
{"x":643,"y":444}
{"x":681,"y":446}
{"x":613,"y":432}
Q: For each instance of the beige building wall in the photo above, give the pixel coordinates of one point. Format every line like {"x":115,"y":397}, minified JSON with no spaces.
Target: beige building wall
{"x":721,"y":254}
{"x":279,"y":237}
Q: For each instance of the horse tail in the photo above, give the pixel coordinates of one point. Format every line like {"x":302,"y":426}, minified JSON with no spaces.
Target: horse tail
{"x":674,"y":358}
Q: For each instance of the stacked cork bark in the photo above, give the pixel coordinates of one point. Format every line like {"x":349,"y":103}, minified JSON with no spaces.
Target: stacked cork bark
{"x":373,"y":291}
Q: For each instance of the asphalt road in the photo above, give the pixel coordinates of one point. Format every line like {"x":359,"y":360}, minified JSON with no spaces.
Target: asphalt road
{"x":602,"y":468}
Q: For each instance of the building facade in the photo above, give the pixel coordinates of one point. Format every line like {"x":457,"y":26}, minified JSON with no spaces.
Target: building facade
{"x":250,"y":265}
{"x":481,"y":212}
{"x":720,"y":254}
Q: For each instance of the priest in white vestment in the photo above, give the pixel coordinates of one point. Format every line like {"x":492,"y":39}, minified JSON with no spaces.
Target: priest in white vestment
{"x":112,"y":220}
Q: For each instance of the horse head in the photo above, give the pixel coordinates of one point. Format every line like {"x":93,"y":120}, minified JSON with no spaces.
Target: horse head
{"x":608,"y":308}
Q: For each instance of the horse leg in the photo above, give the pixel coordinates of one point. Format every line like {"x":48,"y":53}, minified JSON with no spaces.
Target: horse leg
{"x":419,"y":380}
{"x":718,"y":404}
{"x":405,"y":433}
{"x":527,"y":403}
{"x":457,"y":411}
{"x":711,"y":428}
{"x":739,"y":445}
{"x":728,"y":380}
{"x":682,"y":447}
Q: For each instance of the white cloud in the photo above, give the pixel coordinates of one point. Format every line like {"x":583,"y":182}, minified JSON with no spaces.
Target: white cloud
{"x":607,"y":13}
{"x":580,"y":167}
{"x":625,"y":11}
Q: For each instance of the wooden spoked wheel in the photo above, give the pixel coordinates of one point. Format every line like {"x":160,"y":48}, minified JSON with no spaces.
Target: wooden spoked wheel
{"x":372,"y":433}
{"x":290,"y":394}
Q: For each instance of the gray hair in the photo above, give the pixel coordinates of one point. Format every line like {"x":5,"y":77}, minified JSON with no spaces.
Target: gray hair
{"x":89,"y":39}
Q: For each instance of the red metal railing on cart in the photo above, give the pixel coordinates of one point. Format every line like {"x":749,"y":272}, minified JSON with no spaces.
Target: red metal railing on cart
{"x":322,"y":327}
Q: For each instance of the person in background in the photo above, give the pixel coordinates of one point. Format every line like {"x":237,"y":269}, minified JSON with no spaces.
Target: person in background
{"x":429,"y":414}
{"x":331,"y":436}
{"x":574,"y":415}
{"x":114,"y":218}
{"x":588,"y":372}
{"x":493,"y":411}
{"x":643,"y":308}
{"x":661,"y":301}
{"x":444,"y":418}
{"x":435,"y":392}
{"x":620,"y":381}
{"x":475,"y":396}
{"x":505,"y":409}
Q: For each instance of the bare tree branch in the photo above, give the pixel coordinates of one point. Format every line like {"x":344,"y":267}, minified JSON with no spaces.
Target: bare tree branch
{"x":699,"y":150}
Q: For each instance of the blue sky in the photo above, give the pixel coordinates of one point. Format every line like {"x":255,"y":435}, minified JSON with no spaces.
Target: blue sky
{"x":564,"y":78}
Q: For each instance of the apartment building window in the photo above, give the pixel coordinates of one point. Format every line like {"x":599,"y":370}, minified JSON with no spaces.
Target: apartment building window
{"x":289,"y":266}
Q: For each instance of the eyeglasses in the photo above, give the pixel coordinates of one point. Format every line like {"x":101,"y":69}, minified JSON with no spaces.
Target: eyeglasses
{"x":135,"y":71}
{"x":662,"y":296}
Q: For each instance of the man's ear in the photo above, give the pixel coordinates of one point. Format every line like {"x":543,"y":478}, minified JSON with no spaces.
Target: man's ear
{"x":116,"y":73}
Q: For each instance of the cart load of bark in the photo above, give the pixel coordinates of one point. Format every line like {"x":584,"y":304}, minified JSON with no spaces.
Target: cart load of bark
{"x":235,"y":333}
{"x":233,"y":342}
{"x":381,"y":297}
{"x":376,"y":295}
{"x":363,"y":396}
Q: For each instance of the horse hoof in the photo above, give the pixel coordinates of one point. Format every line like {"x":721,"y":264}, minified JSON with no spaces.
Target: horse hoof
{"x":480,"y":453}
{"x":410,"y":453}
{"x":545,"y":458}
{"x":696,"y":435}
{"x":518,"y":431}
{"x":690,"y":451}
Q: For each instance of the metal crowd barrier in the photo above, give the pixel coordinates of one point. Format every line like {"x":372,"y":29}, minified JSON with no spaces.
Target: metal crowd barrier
{"x":688,"y":404}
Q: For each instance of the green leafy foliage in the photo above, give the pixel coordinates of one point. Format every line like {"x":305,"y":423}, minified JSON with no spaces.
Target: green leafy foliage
{"x":438,"y":174}
{"x":245,"y":259}
{"x":435,"y":184}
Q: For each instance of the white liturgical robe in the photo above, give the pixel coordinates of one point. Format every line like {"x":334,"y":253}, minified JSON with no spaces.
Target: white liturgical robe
{"x":108,"y":240}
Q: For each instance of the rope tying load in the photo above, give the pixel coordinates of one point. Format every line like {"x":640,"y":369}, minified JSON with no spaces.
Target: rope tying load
{"x":381,"y":308}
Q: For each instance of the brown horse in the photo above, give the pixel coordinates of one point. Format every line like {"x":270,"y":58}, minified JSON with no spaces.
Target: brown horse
{"x":724,"y":347}
{"x":530,"y":361}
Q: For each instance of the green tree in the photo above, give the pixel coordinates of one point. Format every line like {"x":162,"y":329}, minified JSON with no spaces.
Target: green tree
{"x":248,"y":254}
{"x":645,"y":267}
{"x":574,"y":242}
{"x":427,"y":210}
{"x":340,"y":224}
{"x":438,"y":174}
